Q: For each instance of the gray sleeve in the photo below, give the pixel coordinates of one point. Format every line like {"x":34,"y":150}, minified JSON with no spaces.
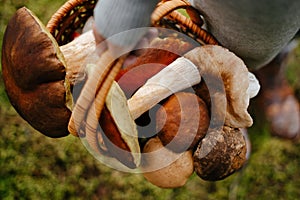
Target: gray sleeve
{"x":256,"y":30}
{"x":116,"y":16}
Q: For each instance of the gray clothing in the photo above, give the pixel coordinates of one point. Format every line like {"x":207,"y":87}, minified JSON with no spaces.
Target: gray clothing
{"x":117,"y":16}
{"x":256,"y":30}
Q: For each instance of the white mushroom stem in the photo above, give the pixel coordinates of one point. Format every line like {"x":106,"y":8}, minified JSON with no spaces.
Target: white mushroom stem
{"x":179,"y":75}
{"x":78,"y":53}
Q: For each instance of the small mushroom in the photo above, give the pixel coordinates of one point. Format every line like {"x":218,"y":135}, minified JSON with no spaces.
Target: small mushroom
{"x":38,"y":74}
{"x":221,"y":153}
{"x":182,"y":121}
{"x":165,"y":168}
{"x":232,"y":88}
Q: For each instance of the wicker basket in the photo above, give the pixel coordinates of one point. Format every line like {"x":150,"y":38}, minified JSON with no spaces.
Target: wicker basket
{"x":72,"y":16}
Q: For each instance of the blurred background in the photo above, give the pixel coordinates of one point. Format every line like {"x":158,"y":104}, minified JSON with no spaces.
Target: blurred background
{"x":36,"y":167}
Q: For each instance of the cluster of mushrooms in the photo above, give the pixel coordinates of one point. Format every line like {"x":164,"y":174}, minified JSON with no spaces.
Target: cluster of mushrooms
{"x":199,"y":100}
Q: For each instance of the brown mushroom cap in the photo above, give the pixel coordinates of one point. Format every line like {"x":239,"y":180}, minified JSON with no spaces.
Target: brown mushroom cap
{"x":180,"y":124}
{"x":34,"y":72}
{"x":221,"y":153}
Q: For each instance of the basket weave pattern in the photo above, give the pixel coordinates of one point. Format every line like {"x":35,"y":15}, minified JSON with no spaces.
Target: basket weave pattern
{"x":69,"y":18}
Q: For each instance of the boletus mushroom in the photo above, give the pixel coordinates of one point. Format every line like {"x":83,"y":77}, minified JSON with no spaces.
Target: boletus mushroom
{"x":38,"y":74}
{"x":237,"y":84}
{"x":221,"y":153}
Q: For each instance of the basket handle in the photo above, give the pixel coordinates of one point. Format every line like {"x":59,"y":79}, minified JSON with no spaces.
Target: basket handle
{"x":165,"y":7}
{"x":191,"y":25}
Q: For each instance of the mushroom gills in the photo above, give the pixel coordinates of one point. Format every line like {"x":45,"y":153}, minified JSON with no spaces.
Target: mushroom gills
{"x":120,"y":129}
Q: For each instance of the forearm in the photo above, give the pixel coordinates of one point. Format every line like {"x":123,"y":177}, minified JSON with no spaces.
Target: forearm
{"x":116,"y":16}
{"x":256,"y":30}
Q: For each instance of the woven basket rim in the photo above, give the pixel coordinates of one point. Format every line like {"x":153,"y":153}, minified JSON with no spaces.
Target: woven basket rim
{"x":67,"y":7}
{"x":165,"y":8}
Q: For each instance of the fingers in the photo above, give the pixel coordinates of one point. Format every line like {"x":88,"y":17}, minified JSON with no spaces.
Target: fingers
{"x":98,"y":36}
{"x":101,"y":44}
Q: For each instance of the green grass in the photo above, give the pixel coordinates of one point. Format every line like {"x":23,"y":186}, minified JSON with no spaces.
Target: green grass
{"x":33,"y":166}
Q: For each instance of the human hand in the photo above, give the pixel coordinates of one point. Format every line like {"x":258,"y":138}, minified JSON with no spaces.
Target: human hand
{"x":103,"y":44}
